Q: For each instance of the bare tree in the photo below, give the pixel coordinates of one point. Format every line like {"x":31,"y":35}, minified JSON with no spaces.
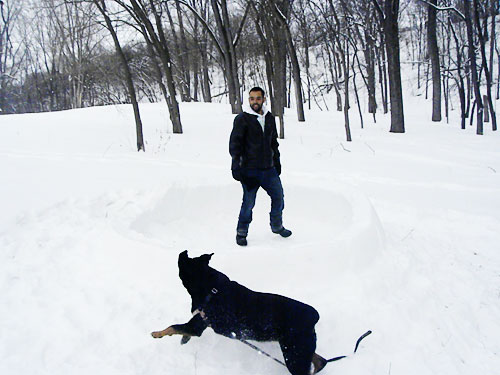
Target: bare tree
{"x":181,"y":69}
{"x":78,"y":40}
{"x":101,"y":6}
{"x":273,"y":43}
{"x":279,"y":13}
{"x":459,"y":51}
{"x":482,"y":45}
{"x":332,"y":48}
{"x":389,"y":17}
{"x":346,"y":92}
{"x":141,"y":11}
{"x":225,"y":43}
{"x":204,"y":47}
{"x":360,"y":28}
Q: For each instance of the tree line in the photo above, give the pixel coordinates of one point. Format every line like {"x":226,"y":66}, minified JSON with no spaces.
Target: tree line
{"x":63,"y":54}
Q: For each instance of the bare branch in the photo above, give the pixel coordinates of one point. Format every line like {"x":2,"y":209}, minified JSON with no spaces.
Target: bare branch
{"x":240,"y":29}
{"x":204,"y":23}
{"x":379,"y":9}
{"x":443,"y":8}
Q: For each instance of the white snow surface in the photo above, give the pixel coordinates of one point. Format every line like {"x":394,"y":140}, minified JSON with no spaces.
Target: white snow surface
{"x":397,"y":233}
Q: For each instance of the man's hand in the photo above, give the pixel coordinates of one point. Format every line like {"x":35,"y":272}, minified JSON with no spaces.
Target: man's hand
{"x":236,"y":174}
{"x":278,"y":169}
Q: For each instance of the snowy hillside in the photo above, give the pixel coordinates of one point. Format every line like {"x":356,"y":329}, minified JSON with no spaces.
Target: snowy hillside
{"x":397,"y":233}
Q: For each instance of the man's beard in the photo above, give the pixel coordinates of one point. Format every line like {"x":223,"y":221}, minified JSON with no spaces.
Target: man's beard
{"x":257,"y":107}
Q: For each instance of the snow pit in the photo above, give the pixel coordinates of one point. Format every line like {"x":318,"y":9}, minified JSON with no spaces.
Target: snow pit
{"x":341,"y":220}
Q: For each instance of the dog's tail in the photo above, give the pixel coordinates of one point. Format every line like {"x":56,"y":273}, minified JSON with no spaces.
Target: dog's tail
{"x":319,"y":362}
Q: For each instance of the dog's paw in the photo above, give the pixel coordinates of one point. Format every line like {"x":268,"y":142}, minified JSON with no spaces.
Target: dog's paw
{"x":166,"y":332}
{"x":185,"y":339}
{"x":157,"y":334}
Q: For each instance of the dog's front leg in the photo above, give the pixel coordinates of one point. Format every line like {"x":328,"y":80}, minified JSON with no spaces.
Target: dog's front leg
{"x":194,"y":327}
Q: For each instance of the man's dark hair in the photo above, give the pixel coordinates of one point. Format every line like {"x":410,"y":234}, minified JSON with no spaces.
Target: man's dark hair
{"x":257,"y":88}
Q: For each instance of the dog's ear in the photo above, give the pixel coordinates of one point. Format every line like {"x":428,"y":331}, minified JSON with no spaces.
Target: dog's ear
{"x":205,"y":258}
{"x":183,"y":255}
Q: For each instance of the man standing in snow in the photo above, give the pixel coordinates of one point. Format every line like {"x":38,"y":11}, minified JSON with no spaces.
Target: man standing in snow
{"x":253,"y":146}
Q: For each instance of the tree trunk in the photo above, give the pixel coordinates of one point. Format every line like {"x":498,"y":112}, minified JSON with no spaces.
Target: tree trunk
{"x":391,"y":31}
{"x":485,"y":67}
{"x":461,"y":85}
{"x":299,"y":98}
{"x":493,"y":39}
{"x":279,"y":81}
{"x":473,"y":67}
{"x":356,"y":93}
{"x":382,"y":71}
{"x":196,"y":66}
{"x":434,"y":57}
{"x":308,"y":75}
{"x":156,"y":67}
{"x":3,"y":31}
{"x":205,"y":82}
{"x":486,"y":117}
{"x":370,"y":69}
{"x":498,"y":76}
{"x":346,"y":92}
{"x":446,"y":98}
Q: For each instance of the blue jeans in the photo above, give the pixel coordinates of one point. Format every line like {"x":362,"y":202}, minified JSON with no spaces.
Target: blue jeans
{"x":269,"y":180}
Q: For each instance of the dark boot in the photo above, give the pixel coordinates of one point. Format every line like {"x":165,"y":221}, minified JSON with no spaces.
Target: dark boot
{"x":283,"y":232}
{"x":319,"y":363}
{"x":241,"y":240}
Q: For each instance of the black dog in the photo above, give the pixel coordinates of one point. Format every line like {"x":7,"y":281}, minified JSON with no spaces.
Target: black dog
{"x":234,"y":311}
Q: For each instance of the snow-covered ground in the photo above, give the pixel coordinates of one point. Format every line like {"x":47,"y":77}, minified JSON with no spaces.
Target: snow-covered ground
{"x":397,"y":233}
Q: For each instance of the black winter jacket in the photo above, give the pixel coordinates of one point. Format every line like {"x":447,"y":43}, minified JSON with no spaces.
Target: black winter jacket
{"x":250,"y":147}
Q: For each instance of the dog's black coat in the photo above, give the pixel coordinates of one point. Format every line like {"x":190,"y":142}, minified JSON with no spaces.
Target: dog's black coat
{"x":235,"y":311}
